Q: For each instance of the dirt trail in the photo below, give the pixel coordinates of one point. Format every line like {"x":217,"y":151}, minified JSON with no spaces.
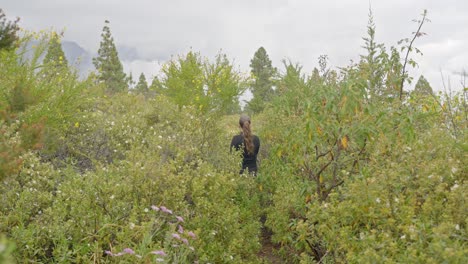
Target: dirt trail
{"x":268,"y":253}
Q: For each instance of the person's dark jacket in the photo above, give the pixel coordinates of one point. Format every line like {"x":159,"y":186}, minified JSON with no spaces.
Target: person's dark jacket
{"x":249,"y":161}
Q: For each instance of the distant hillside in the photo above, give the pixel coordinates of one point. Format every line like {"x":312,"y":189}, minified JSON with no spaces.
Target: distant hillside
{"x":78,"y":57}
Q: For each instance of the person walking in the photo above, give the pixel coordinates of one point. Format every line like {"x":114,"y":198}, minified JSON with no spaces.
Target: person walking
{"x":249,"y":144}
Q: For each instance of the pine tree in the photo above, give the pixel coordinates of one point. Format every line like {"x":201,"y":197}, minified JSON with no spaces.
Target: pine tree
{"x":142,"y":86}
{"x":293,"y":79}
{"x":156,"y":86}
{"x":371,"y":63}
{"x":55,"y":57}
{"x":315,"y":77}
{"x":423,"y":87}
{"x":8,"y":30}
{"x":108,"y":65}
{"x":262,"y":88}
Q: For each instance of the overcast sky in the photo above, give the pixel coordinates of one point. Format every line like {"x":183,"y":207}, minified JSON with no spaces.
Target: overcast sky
{"x":299,"y":30}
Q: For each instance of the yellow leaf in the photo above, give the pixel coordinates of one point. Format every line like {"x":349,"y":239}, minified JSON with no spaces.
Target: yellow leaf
{"x":77,"y":124}
{"x":260,"y":187}
{"x":319,"y":131}
{"x":344,"y":142}
{"x":321,"y":179}
{"x":279,"y":153}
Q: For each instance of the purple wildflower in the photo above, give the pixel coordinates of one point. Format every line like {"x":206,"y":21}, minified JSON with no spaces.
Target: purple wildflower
{"x":159,"y":252}
{"x":181,"y":229}
{"x":108,"y":252}
{"x":165,"y":210}
{"x":176,"y":236}
{"x":185,"y":241}
{"x":129,"y":251}
{"x":155,"y":208}
{"x":180,"y":219}
{"x":191,"y":234}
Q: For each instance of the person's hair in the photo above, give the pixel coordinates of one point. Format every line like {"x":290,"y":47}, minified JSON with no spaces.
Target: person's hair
{"x":244,"y":122}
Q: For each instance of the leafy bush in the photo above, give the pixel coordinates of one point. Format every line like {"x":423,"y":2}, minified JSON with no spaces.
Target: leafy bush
{"x":357,"y":180}
{"x":349,"y":173}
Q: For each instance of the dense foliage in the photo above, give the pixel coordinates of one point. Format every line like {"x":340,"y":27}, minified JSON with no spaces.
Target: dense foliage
{"x":348,"y":171}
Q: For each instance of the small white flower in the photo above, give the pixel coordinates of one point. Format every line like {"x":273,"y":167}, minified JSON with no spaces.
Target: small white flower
{"x":132,"y":225}
{"x":377,"y":200}
{"x":146,"y":210}
{"x":454,"y":187}
{"x":361,"y":236}
{"x":454,"y":170}
{"x":159,"y":147}
{"x":403,"y":237}
{"x":160,"y":137}
{"x":112,"y":197}
{"x":457,"y":227}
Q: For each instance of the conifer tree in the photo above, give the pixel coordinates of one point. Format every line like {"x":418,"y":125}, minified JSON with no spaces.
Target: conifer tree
{"x":371,"y":63}
{"x":142,"y":86}
{"x":156,"y":85}
{"x":423,"y":87}
{"x":55,"y":58}
{"x":315,"y":77}
{"x":8,"y":31}
{"x":108,"y":65}
{"x":262,"y":88}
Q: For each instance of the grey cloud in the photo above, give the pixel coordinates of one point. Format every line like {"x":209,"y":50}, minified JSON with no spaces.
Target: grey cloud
{"x":299,"y":30}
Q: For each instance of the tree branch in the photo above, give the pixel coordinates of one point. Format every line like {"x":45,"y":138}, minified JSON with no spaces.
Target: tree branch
{"x":416,"y":34}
